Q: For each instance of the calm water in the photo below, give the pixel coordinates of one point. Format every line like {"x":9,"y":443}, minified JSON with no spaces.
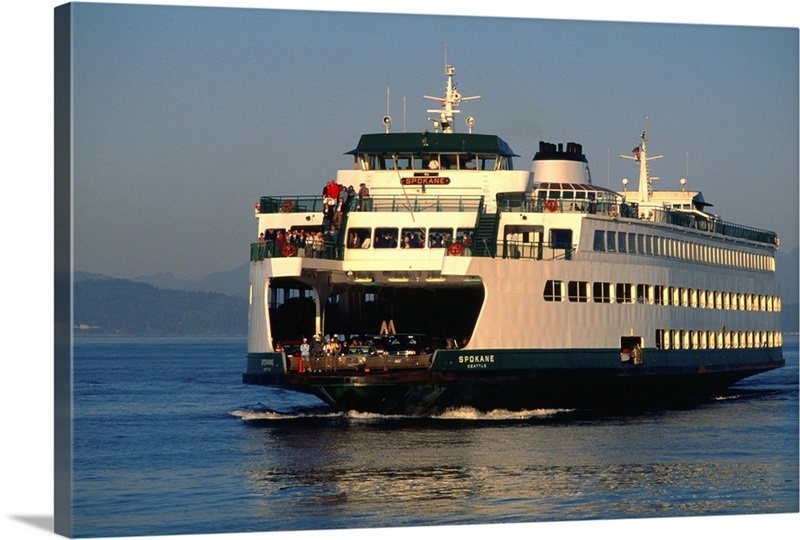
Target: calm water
{"x":169,"y":441}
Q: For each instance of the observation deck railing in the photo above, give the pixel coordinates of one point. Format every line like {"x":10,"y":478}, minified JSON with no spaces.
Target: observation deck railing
{"x":656,"y":214}
{"x":392,"y":203}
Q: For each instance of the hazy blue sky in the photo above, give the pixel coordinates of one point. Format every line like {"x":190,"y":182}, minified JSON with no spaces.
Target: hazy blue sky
{"x":184,"y":116}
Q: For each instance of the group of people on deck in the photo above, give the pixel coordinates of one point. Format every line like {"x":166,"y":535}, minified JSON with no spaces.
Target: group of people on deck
{"x":321,"y":352}
{"x":295,"y":242}
{"x":337,"y":202}
{"x":325,"y":348}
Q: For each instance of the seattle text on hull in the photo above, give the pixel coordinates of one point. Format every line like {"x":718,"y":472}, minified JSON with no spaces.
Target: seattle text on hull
{"x":434,"y":275}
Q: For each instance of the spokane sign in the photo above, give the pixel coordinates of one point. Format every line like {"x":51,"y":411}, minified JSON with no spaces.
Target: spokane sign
{"x":425,"y":181}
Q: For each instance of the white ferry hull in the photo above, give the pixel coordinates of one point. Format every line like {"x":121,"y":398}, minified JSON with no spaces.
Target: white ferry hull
{"x":534,"y":289}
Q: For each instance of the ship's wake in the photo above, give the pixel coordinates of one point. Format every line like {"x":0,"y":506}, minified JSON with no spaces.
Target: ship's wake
{"x":261,"y":414}
{"x":470,"y":413}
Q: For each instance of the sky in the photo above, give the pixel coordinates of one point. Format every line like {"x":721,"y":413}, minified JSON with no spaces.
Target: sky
{"x":185,"y":117}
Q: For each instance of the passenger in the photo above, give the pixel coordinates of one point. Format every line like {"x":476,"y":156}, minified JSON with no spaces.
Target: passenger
{"x":300,"y":242}
{"x":330,"y":349}
{"x":317,"y":349}
{"x":350,"y":200}
{"x":328,"y":213}
{"x":331,"y":241}
{"x":363,"y":198}
{"x":308,"y":241}
{"x":467,"y":242}
{"x":319,"y":245}
{"x":513,"y":245}
{"x":280,"y":241}
{"x":305,"y":355}
{"x":337,"y":212}
{"x":333,"y":190}
{"x":269,"y":248}
{"x":262,"y":246}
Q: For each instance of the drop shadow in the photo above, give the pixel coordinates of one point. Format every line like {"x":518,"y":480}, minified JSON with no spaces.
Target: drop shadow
{"x":45,"y":523}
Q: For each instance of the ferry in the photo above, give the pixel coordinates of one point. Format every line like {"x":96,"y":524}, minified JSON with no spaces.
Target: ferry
{"x":432,"y":275}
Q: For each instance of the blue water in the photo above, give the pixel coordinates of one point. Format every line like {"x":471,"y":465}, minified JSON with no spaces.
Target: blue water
{"x":167,"y":440}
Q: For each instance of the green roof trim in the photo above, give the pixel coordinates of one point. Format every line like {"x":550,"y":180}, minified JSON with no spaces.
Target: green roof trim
{"x":420,"y":143}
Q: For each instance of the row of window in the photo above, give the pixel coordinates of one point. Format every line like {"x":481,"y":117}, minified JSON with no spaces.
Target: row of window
{"x":407,"y":237}
{"x":603,"y":292}
{"x":710,"y":339}
{"x":659,"y":246}
{"x":418,"y":162}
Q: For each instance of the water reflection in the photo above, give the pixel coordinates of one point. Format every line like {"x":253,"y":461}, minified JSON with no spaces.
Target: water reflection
{"x":334,"y":471}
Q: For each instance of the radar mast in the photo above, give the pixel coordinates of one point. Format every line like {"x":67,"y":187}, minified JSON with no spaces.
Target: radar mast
{"x":645,"y":180}
{"x":450,"y":101}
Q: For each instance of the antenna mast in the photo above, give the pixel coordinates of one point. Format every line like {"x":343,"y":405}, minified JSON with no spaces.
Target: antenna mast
{"x":387,"y":120}
{"x":450,"y":101}
{"x":645,"y":180}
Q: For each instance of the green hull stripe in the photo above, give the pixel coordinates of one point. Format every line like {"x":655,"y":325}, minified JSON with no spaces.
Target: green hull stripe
{"x":486,"y":360}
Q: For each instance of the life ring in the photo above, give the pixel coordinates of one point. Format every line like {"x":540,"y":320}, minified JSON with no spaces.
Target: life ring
{"x":287,"y":206}
{"x":289,"y":250}
{"x":551,"y":205}
{"x":456,"y":249}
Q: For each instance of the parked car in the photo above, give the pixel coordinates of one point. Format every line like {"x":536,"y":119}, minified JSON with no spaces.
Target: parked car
{"x":358,"y":355}
{"x":403,"y":344}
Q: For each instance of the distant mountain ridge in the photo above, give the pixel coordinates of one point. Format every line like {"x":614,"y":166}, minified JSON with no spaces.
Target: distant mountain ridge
{"x":232,"y":282}
{"x":109,"y":306}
